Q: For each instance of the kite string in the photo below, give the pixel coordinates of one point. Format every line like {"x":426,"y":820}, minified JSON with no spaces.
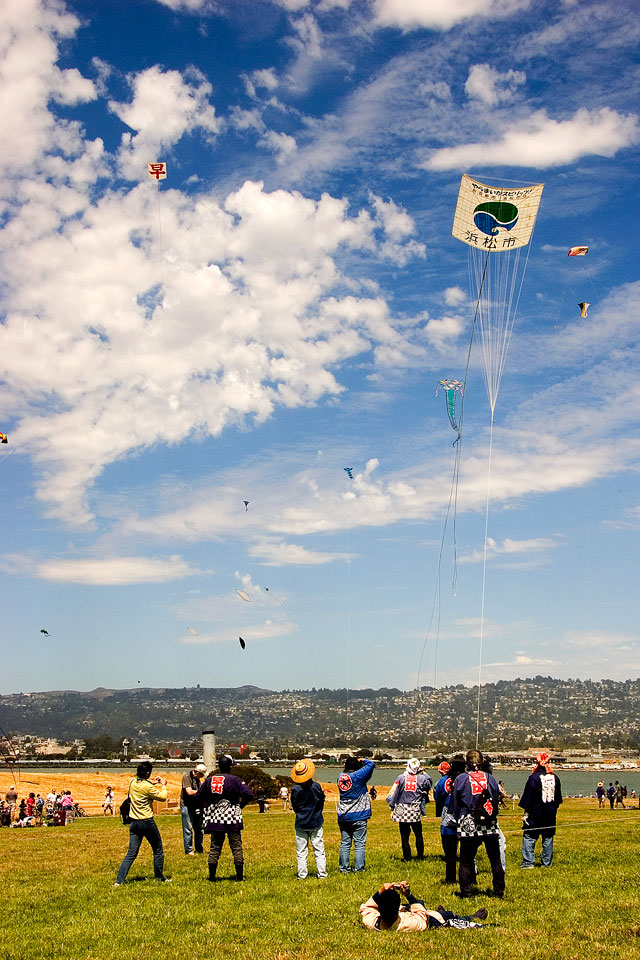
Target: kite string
{"x":484,"y":581}
{"x":495,"y":354}
{"x":348,"y":719}
{"x":164,"y":326}
{"x":453,"y":499}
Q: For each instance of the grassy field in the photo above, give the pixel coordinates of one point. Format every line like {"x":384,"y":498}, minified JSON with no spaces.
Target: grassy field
{"x":59,"y":899}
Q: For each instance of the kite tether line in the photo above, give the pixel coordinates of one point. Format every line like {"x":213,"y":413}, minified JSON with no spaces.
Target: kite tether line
{"x":497,"y":312}
{"x":158,"y":172}
{"x":494,"y":222}
{"x":349,"y":473}
{"x":453,"y":501}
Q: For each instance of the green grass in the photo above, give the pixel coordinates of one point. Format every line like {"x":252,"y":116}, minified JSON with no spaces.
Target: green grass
{"x":58,"y":897}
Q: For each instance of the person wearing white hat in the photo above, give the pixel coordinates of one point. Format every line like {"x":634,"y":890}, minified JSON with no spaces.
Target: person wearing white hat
{"x":307,"y":800}
{"x":191,"y":818}
{"x":406,"y":798}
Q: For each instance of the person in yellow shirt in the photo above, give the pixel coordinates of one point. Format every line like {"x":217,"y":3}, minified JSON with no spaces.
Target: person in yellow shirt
{"x":142,"y":792}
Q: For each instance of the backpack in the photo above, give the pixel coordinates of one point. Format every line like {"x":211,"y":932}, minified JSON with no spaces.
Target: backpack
{"x":125,"y":809}
{"x":484,"y":811}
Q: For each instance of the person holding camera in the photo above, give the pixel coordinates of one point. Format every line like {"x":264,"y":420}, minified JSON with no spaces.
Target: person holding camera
{"x":142,"y":792}
{"x":384,"y":911}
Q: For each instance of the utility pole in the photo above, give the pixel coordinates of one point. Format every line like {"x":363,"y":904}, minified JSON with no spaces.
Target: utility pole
{"x":209,"y":749}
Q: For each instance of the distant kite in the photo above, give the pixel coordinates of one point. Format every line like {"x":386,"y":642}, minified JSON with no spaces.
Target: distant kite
{"x":578,"y":252}
{"x":157,"y":171}
{"x":243,"y":595}
{"x":46,"y":632}
{"x":583,"y":309}
{"x":242,"y":643}
{"x":349,"y":472}
{"x":193,"y":631}
{"x":4,"y":438}
{"x":277,"y":601}
{"x":246,"y":505}
{"x":451,"y":387}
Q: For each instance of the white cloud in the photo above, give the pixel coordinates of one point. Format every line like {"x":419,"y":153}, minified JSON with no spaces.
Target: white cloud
{"x":249,"y":319}
{"x":520,"y":661}
{"x":439,"y":90}
{"x":542,"y":142}
{"x":441,"y":14}
{"x":596,"y":25}
{"x":277,"y":553}
{"x":255,"y":632}
{"x":440,"y":330}
{"x":525,"y":463}
{"x":528,"y":550}
{"x":191,"y":6}
{"x":281,"y":144}
{"x":311,"y":55}
{"x":490,"y":86}
{"x":397,"y":226}
{"x":165,"y":106}
{"x":212,"y":613}
{"x":601,"y":653}
{"x":628,"y":519}
{"x":113,"y":571}
{"x":265,"y":78}
{"x":454,"y":296}
{"x":30,"y":79}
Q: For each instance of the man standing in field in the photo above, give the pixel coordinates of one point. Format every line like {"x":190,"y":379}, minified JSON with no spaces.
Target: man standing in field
{"x":540,"y":801}
{"x":354,"y":809}
{"x":222,"y":798}
{"x":11,"y":798}
{"x":405,"y":798}
{"x":191,"y":819}
{"x":474,"y":807}
{"x":307,"y":800}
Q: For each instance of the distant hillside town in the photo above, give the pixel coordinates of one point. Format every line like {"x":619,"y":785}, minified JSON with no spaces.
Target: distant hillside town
{"x":580,"y":718}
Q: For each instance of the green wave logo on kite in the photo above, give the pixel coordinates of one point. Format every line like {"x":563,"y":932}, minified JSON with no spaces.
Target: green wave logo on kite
{"x":495,"y":215}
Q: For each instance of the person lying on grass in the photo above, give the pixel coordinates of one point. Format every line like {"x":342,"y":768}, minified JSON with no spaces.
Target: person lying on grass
{"x":383,"y":911}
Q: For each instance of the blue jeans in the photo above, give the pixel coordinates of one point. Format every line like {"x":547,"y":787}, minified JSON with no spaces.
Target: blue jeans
{"x":528,"y":848}
{"x":191,"y":829}
{"x":139,"y":829}
{"x":354,"y":832}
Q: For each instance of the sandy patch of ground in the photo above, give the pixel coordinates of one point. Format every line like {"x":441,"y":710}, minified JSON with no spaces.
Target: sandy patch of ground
{"x":88,"y":787}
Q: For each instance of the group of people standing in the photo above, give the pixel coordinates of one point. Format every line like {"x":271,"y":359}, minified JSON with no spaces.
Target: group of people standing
{"x":210,"y":805}
{"x":467,"y":799}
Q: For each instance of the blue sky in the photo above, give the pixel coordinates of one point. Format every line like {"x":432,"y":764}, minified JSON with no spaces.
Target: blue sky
{"x":283,"y":305}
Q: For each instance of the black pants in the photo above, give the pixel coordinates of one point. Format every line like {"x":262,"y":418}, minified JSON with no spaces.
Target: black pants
{"x":405,"y":833}
{"x":450,"y":850}
{"x":217,"y":843}
{"x":469,"y":846}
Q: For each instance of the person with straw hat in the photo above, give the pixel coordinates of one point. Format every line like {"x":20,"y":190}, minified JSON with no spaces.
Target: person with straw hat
{"x":307,"y":801}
